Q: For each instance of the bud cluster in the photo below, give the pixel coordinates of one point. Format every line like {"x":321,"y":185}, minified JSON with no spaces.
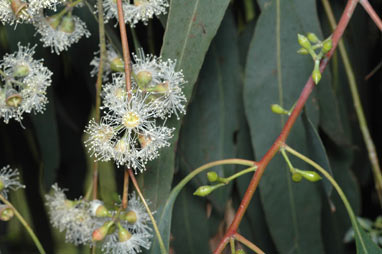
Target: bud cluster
{"x":24,"y":84}
{"x":129,"y":133}
{"x":90,"y":223}
{"x":307,"y":48}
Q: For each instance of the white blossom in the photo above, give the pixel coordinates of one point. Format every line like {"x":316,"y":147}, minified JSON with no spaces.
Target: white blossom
{"x":9,"y":180}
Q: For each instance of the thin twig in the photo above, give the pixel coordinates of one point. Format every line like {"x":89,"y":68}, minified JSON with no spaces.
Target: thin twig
{"x":25,"y":224}
{"x":156,"y":229}
{"x":358,"y":107}
{"x":125,"y":188}
{"x":262,"y":164}
{"x":125,"y":45}
{"x":373,"y":15}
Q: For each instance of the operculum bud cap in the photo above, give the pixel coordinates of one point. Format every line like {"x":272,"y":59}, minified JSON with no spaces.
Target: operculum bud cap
{"x":100,"y":233}
{"x":117,"y":65}
{"x":144,"y":78}
{"x":21,"y":71}
{"x":303,"y":41}
{"x":18,"y":6}
{"x":312,"y":37}
{"x":277,"y":109}
{"x":203,"y":191}
{"x":212,"y":176}
{"x":123,"y":234}
{"x":327,"y":45}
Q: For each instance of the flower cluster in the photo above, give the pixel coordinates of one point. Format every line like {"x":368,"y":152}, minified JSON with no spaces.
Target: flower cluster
{"x":135,"y":10}
{"x":9,"y":180}
{"x":24,"y":11}
{"x":117,"y":231}
{"x":25,"y":81}
{"x":128,"y":133}
{"x":58,"y":31}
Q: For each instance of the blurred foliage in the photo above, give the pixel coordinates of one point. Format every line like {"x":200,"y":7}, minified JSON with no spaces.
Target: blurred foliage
{"x":239,"y":57}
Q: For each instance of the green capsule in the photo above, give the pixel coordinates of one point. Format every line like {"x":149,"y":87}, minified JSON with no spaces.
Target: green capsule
{"x":117,"y":65}
{"x":14,"y":100}
{"x":100,"y":233}
{"x":212,"y":176}
{"x":296,"y":177}
{"x":203,"y":191}
{"x":123,"y":234}
{"x":101,"y":212}
{"x":6,"y":213}
{"x":302,"y":51}
{"x":312,"y":37}
{"x":130,"y":217}
{"x":277,"y":109}
{"x":20,"y":71}
{"x":68,"y":25}
{"x":143,"y":78}
{"x":327,"y":45}
{"x":54,"y":21}
{"x":303,"y":41}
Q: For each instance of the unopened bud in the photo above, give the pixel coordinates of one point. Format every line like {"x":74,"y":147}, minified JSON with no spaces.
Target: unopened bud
{"x":117,"y":65}
{"x":144,"y":78}
{"x":311,"y":176}
{"x":123,"y":234}
{"x":212,"y":176}
{"x":6,"y":213}
{"x":296,"y":177}
{"x":100,"y":233}
{"x":20,"y":71}
{"x":277,"y":109}
{"x":316,"y":76}
{"x":240,"y":251}
{"x":18,"y":6}
{"x":203,"y":191}
{"x":2,"y":185}
{"x":68,"y":24}
{"x":303,"y":41}
{"x":302,"y":51}
{"x":312,"y":37}
{"x":327,"y":45}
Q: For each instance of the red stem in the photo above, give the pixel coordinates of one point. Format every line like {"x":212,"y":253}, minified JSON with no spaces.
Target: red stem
{"x":125,"y":45}
{"x":262,"y":164}
{"x":373,"y":15}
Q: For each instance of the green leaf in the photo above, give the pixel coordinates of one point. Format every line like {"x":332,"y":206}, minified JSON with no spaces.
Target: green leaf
{"x":45,"y":128}
{"x":316,"y":151}
{"x":276,"y":74}
{"x":190,"y":224}
{"x":208,"y":128}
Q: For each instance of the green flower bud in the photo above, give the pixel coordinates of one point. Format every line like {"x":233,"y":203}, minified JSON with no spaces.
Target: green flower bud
{"x":316,"y":76}
{"x":144,"y":78}
{"x":240,"y":251}
{"x":14,"y":100}
{"x":327,"y":45}
{"x":296,"y":177}
{"x":123,"y":234}
{"x":303,"y":41}
{"x":212,"y":176}
{"x":101,"y":211}
{"x":68,"y":24}
{"x":311,"y":176}
{"x":18,"y":7}
{"x":203,"y":191}
{"x":302,"y":51}
{"x":6,"y":213}
{"x":2,"y":185}
{"x":117,"y":65}
{"x":20,"y":71}
{"x":161,"y":88}
{"x":277,"y":109}
{"x":100,"y":233}
{"x":312,"y":37}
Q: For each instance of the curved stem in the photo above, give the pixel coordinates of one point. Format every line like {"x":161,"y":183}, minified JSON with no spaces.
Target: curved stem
{"x":25,"y":224}
{"x":248,"y":243}
{"x":156,"y":229}
{"x":263,"y":163}
{"x":358,"y":107}
{"x":125,"y":45}
{"x":335,"y":185}
{"x":238,"y":174}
